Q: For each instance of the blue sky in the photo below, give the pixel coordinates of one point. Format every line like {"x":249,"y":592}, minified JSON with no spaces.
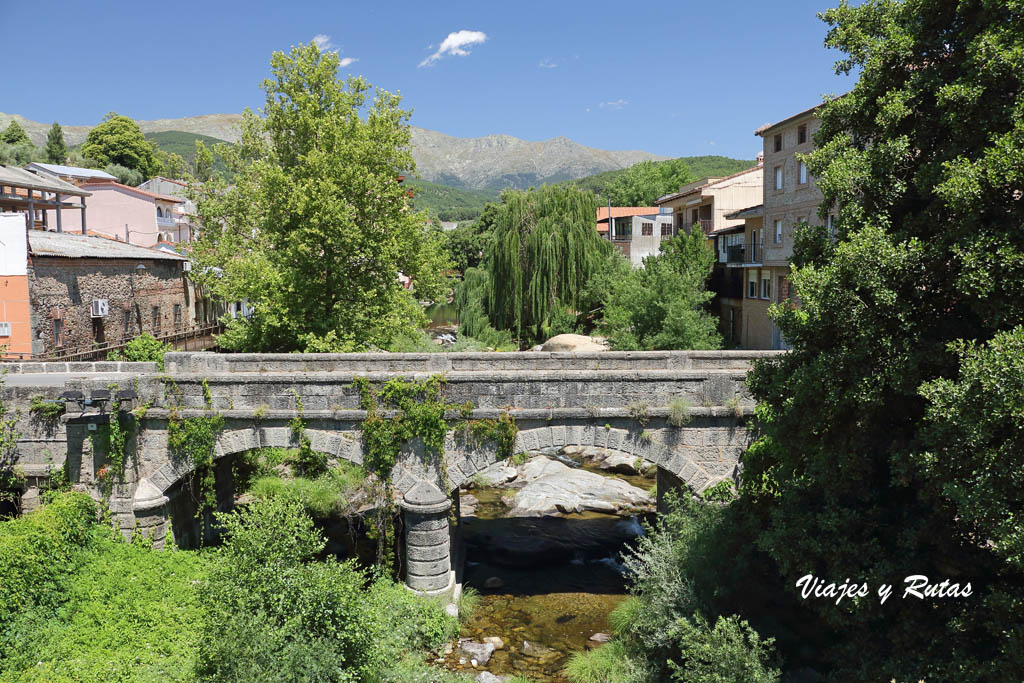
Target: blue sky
{"x":674,"y":78}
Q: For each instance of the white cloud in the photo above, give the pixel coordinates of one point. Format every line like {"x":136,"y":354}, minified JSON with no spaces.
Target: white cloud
{"x":323,"y":41}
{"x":547,"y":64}
{"x":455,"y":44}
{"x":614,"y":104}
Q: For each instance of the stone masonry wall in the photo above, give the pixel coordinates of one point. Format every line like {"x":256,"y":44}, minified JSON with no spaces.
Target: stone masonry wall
{"x":66,"y":287}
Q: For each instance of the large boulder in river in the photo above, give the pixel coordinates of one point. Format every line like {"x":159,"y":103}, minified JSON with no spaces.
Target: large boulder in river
{"x":497,"y":474}
{"x":577,"y":343}
{"x":552,"y":488}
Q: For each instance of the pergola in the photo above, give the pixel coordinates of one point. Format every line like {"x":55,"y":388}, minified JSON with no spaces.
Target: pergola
{"x":23,"y":190}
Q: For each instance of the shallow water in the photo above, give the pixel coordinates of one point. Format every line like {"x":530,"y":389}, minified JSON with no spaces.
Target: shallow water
{"x":561,"y":578}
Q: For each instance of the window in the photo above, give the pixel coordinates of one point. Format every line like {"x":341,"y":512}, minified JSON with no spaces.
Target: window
{"x":623,"y":228}
{"x":803,"y":173}
{"x":752,"y":283}
{"x":778,"y":142}
{"x":778,"y":177}
{"x":766,"y":284}
{"x":647,"y":229}
{"x":801,"y":134}
{"x":156,"y":318}
{"x":778,"y":232}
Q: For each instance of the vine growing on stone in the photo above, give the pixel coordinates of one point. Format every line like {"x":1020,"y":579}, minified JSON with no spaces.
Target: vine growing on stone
{"x":308,"y":462}
{"x":193,"y":439}
{"x":401,"y":411}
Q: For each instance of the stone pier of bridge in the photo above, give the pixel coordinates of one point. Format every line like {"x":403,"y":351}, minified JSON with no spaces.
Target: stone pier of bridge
{"x":619,"y":401}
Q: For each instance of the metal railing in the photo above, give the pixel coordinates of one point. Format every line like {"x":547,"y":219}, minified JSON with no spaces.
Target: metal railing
{"x":180,"y":334}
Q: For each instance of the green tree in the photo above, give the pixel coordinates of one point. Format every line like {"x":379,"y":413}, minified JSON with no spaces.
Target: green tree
{"x":56,"y":150}
{"x":544,"y":250}
{"x":14,"y":134}
{"x":642,"y":183}
{"x":316,"y":228}
{"x":203,"y":162}
{"x":874,"y":464}
{"x":662,"y":305}
{"x":174,"y":166}
{"x":125,"y":176}
{"x":469,"y":243}
{"x":118,"y":140}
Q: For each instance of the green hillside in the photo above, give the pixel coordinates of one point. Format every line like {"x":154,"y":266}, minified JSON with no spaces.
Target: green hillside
{"x":700,"y":167}
{"x":460,"y":204}
{"x":450,"y":203}
{"x":180,"y":143}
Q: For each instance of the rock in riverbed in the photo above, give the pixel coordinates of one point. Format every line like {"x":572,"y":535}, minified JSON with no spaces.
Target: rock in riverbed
{"x":495,"y":475}
{"x":480,"y":652}
{"x":552,"y":488}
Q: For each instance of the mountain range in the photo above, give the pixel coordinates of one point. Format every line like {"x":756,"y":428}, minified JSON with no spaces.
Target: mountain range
{"x":489,"y":162}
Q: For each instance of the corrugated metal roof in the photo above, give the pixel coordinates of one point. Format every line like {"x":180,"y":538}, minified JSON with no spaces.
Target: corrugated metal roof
{"x":73,"y":171}
{"x":70,"y":245}
{"x":19,"y":177}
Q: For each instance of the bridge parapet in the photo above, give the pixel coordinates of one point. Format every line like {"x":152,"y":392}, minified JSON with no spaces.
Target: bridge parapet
{"x":431,"y":363}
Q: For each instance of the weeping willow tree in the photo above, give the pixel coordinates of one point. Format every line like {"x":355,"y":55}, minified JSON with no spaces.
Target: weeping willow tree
{"x":545,"y":249}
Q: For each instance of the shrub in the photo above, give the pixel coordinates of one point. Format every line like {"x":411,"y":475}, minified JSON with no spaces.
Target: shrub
{"x":731,"y":651}
{"x":320,"y":497}
{"x":129,"y":613}
{"x":145,"y":347}
{"x":609,"y":663}
{"x":272,"y":614}
{"x":40,"y":550}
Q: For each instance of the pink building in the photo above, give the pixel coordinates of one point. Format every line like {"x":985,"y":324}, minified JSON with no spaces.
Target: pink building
{"x":129,"y":214}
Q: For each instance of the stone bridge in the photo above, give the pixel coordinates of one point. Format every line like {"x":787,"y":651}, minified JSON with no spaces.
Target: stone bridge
{"x":615,"y":401}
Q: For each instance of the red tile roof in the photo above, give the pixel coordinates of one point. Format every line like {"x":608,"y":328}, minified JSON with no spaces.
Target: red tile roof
{"x":144,"y":193}
{"x":621,"y":212}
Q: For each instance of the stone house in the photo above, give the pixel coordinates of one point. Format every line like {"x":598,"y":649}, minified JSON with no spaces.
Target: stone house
{"x":62,"y":292}
{"x":637,"y":231}
{"x":791,"y":198}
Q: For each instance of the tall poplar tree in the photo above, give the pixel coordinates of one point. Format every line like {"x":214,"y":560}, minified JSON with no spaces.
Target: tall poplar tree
{"x":317,"y":227}
{"x":56,"y":150}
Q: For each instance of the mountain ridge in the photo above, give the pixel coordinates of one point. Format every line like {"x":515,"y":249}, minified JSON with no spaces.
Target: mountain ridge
{"x":488,"y":162}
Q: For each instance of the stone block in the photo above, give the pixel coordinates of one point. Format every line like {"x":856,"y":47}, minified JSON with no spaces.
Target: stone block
{"x":432,"y":553}
{"x":427,"y":524}
{"x":430,"y":567}
{"x":428,"y":538}
{"x":558,"y":435}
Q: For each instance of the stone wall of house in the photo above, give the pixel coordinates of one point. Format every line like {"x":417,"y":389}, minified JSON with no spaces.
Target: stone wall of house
{"x":64,"y":289}
{"x":795,"y":200}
